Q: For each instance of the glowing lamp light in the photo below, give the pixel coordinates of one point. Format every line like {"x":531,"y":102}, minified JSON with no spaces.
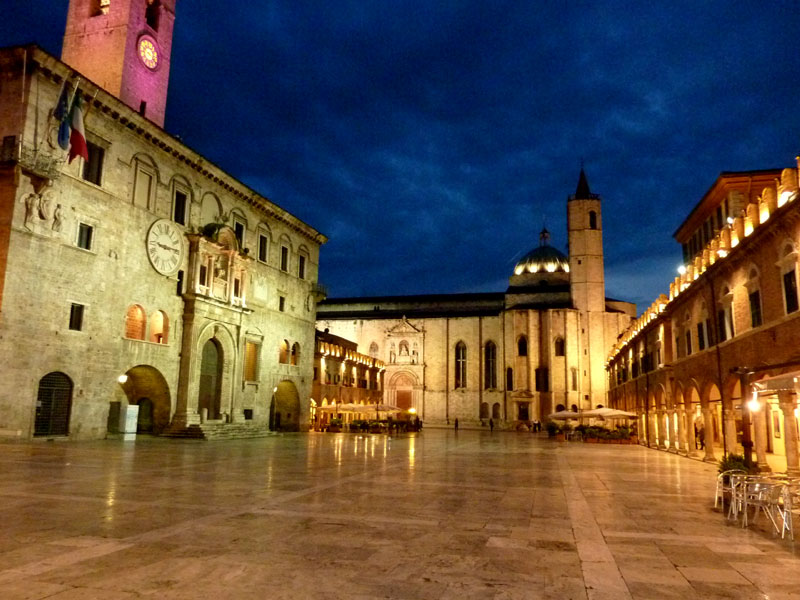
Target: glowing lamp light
{"x":730,"y":220}
{"x":122,"y":379}
{"x":748,"y":228}
{"x":754,"y":405}
{"x":682,"y":270}
{"x":413,"y":411}
{"x":784,"y":197}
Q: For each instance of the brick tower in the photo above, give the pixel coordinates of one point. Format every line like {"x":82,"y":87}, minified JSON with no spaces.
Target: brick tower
{"x":125,"y":47}
{"x":587,"y":286}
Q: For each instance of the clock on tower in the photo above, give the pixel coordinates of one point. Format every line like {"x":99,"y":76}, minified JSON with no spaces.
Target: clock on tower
{"x":125,"y":46}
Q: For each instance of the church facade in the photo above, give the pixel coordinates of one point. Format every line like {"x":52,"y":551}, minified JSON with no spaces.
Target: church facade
{"x":142,"y":279}
{"x":513,"y":357}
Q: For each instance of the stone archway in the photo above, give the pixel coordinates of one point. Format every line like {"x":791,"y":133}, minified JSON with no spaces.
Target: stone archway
{"x":284,"y":414}
{"x":402,"y":389}
{"x":53,"y":405}
{"x":147,"y":388}
{"x":209,"y":392}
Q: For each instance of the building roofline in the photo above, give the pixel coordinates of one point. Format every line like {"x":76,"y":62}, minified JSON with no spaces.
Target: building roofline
{"x":720,"y":178}
{"x":113,"y":107}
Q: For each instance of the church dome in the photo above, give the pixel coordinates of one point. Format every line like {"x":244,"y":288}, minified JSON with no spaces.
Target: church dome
{"x":543,"y":259}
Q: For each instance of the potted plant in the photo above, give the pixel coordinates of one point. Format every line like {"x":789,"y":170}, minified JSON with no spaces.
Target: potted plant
{"x":335,"y":425}
{"x":552,"y":428}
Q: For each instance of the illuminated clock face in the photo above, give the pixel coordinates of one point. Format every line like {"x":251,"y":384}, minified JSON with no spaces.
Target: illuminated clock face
{"x":148,"y":53}
{"x":165,"y":246}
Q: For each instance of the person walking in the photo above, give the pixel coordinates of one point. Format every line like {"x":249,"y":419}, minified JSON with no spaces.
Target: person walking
{"x":456,"y":424}
{"x":491,"y":425}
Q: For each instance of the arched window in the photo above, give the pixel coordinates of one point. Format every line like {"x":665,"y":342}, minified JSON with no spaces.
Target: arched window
{"x":53,"y":404}
{"x":135,"y":323}
{"x":522,"y":346}
{"x":490,"y":366}
{"x":461,"y":366}
{"x":559,"y":346}
{"x":295,"y":353}
{"x":496,"y":410}
{"x":592,"y":220}
{"x":509,"y":379}
{"x":484,"y":414}
{"x":159,"y":327}
{"x":283,"y":355}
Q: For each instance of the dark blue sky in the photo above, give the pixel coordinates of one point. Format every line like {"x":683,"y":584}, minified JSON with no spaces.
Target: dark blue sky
{"x":430,"y":139}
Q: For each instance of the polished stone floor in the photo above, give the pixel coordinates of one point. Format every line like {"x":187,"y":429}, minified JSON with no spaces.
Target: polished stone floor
{"x":438,"y":515}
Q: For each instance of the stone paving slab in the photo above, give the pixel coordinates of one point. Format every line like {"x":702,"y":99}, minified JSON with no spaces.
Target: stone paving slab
{"x":330,"y":516}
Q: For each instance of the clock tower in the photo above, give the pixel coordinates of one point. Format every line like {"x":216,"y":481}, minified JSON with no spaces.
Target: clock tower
{"x":125,"y":47}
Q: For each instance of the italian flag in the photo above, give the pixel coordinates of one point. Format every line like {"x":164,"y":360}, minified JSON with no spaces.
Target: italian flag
{"x":77,"y":139}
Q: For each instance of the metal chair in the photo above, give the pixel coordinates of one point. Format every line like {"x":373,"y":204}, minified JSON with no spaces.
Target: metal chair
{"x":724,"y":485}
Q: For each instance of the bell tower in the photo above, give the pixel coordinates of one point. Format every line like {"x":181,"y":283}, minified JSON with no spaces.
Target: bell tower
{"x":125,"y":47}
{"x":588,"y":288}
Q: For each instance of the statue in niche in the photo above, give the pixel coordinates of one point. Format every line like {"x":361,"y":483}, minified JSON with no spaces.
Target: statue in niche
{"x":58,"y":218}
{"x":404,"y":348}
{"x":30,"y":209}
{"x":45,"y":205}
{"x":415,"y":354}
{"x":392,"y":354}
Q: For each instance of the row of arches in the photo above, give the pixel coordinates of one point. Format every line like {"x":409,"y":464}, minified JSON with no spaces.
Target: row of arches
{"x":136,"y":325}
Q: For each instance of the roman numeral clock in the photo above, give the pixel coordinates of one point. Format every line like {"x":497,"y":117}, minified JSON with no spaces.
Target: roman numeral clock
{"x":165,"y":246}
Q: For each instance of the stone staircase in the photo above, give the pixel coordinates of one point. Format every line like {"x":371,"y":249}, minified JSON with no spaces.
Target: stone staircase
{"x":220,"y":431}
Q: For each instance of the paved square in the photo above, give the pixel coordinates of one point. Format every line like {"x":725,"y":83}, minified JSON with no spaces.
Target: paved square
{"x":437,"y":515}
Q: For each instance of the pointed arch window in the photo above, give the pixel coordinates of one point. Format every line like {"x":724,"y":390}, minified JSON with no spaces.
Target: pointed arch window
{"x":159,"y":327}
{"x":559,"y":346}
{"x":461,"y":366}
{"x":522,"y":346}
{"x":509,"y":379}
{"x":151,"y":13}
{"x":295,"y":354}
{"x":490,"y":366}
{"x":592,"y":220}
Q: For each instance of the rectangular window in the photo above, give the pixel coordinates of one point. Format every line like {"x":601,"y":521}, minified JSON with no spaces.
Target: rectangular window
{"x":85,"y":236}
{"x":203,"y":278}
{"x":281,"y":303}
{"x":237,"y":288}
{"x":93,"y":168}
{"x":238,"y":231}
{"x":143,"y":188}
{"x":284,"y":258}
{"x":688,"y":343}
{"x":755,"y":308}
{"x":76,"y":317}
{"x":263,"y":247}
{"x":179,"y":207}
{"x":722,"y":325}
{"x":250,"y":361}
{"x":790,"y":291}
{"x":709,"y":333}
{"x":701,"y":336}
{"x":301,"y":267}
{"x":179,"y":288}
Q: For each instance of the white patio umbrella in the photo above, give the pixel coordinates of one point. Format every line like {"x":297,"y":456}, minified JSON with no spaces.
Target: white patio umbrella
{"x":563,"y":415}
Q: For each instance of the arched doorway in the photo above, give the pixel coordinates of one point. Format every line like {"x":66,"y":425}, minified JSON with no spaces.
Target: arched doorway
{"x":146,"y":387}
{"x":210,"y":380}
{"x":404,"y":391}
{"x":53,"y":405}
{"x":284,"y":414}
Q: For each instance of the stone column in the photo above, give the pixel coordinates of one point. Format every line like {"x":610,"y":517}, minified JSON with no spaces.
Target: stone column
{"x":651,"y":429}
{"x":708,"y":435}
{"x":663,"y":429}
{"x":729,"y":424}
{"x":691,"y":440}
{"x":760,"y":427}
{"x":682,"y":446}
{"x":787,"y":404}
{"x":674,"y":440}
